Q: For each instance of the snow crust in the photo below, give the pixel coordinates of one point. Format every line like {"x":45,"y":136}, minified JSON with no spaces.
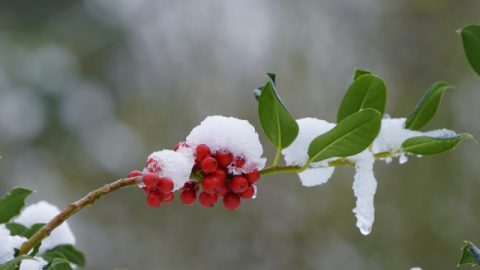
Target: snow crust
{"x":42,"y":212}
{"x":232,"y":134}
{"x":393,"y":133}
{"x":8,"y":243}
{"x":364,"y":187}
{"x":175,"y":165}
{"x":37,"y":263}
{"x":296,"y":154}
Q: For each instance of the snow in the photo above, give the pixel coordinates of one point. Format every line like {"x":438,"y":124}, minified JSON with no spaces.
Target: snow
{"x":364,"y":187}
{"x":296,"y":154}
{"x":393,"y":133}
{"x":42,"y":212}
{"x":232,"y":134}
{"x":175,"y":165}
{"x":37,"y":263}
{"x":416,"y":268}
{"x":8,"y":243}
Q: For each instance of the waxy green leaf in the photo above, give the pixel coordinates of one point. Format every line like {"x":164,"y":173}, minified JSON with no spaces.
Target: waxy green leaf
{"x":59,"y":264}
{"x":351,"y":136}
{"x":367,"y":91}
{"x":12,"y":203}
{"x":424,"y":145}
{"x":427,"y":106}
{"x":71,"y":254}
{"x":470,"y":254}
{"x":278,"y":124}
{"x":471,"y":44}
{"x":359,"y":72}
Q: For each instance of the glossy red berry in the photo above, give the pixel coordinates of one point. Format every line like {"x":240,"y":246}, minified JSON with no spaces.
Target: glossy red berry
{"x":168,"y":197}
{"x":248,"y":194}
{"x":207,"y":200}
{"x":150,"y":180}
{"x":239,"y":162}
{"x":202,"y":151}
{"x":253,"y":176}
{"x":221,"y":174}
{"x":165,"y":185}
{"x":224,"y":158}
{"x":188,"y":197}
{"x":211,"y":184}
{"x":191,"y":185}
{"x":231,"y":201}
{"x":154,"y":199}
{"x":134,"y":173}
{"x":224,"y":189}
{"x":239,"y":184}
{"x":208,"y":165}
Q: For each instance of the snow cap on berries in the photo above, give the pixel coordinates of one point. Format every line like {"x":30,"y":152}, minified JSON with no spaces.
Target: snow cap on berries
{"x":230,"y":134}
{"x":174,"y":165}
{"x":42,"y":212}
{"x":296,"y":154}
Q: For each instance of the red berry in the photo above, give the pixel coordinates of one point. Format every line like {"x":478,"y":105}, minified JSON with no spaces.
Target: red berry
{"x":168,"y":197}
{"x":239,"y":162}
{"x":209,"y":165}
{"x":211,"y":184}
{"x":134,"y":173}
{"x":231,"y":201}
{"x":207,"y":200}
{"x":253,"y":176}
{"x":224,"y":189}
{"x":202,"y":151}
{"x":248,"y":194}
{"x":224,"y":158}
{"x":221,"y":174}
{"x":165,"y":185}
{"x":239,"y":184}
{"x":154,"y":199}
{"x":150,"y":180}
{"x":188,"y":197}
{"x":180,"y":144}
{"x":190,"y":185}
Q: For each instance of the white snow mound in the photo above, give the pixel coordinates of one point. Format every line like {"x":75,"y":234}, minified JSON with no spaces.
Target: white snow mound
{"x":175,"y":165}
{"x":232,"y":134}
{"x":37,"y":263}
{"x":8,"y":243}
{"x":296,"y":154}
{"x":42,"y":212}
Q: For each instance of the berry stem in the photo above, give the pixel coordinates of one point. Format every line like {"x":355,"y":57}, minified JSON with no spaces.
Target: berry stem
{"x":71,"y":209}
{"x":277,"y":157}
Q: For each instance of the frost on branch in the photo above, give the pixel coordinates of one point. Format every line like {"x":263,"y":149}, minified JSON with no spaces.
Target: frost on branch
{"x":297,"y":152}
{"x":228,"y":133}
{"x":42,"y":212}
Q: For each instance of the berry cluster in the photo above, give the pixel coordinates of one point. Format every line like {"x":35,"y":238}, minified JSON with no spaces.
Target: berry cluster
{"x":212,"y":176}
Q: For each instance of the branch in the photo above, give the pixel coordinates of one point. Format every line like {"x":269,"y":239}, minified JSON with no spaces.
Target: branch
{"x":71,"y":209}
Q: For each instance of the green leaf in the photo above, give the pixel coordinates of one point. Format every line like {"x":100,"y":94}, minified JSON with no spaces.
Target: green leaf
{"x":351,"y":136}
{"x":470,"y":254}
{"x":59,"y":264}
{"x":427,"y":106}
{"x":49,"y":256}
{"x":14,"y":263}
{"x":278,"y":124}
{"x":258,"y":91}
{"x":368,"y":91}
{"x":359,"y":72}
{"x":32,"y":230}
{"x":16,"y":228}
{"x":424,"y":145}
{"x":12,"y":203}
{"x":471,"y":44}
{"x":71,"y":254}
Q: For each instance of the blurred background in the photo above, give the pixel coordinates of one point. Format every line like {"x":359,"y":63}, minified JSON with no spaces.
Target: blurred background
{"x":89,"y":88}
